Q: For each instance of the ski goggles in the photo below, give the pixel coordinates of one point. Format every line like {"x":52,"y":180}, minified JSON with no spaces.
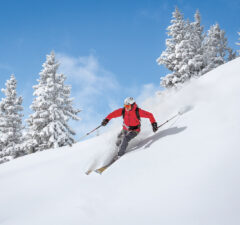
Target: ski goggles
{"x":128,"y":106}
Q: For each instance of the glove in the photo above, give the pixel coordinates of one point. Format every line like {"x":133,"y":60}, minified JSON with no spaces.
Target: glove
{"x":105,"y":122}
{"x":154,"y":127}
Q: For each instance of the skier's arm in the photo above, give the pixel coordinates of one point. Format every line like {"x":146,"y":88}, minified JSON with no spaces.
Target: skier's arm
{"x":114,"y":114}
{"x":146,"y":114}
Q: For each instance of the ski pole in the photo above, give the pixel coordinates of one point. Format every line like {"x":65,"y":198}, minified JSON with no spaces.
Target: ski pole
{"x":90,"y":132}
{"x":178,"y":114}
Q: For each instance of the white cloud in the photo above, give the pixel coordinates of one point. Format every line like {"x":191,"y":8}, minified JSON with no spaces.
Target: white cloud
{"x":86,"y":72}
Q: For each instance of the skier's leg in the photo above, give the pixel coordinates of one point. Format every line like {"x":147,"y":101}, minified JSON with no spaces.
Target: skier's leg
{"x":120,"y":137}
{"x":126,"y":138}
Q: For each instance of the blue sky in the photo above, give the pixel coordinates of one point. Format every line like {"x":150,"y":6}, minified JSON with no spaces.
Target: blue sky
{"x":107,"y":49}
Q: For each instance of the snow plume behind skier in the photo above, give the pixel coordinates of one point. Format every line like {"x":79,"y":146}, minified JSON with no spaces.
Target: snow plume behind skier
{"x":131,"y":123}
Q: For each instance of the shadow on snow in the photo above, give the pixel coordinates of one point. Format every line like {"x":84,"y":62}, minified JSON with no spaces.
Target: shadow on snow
{"x":147,"y":142}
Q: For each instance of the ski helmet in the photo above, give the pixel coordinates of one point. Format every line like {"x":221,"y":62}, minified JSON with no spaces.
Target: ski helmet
{"x":129,"y":101}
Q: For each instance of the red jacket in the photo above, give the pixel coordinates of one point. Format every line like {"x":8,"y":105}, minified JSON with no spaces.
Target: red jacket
{"x":130,"y":117}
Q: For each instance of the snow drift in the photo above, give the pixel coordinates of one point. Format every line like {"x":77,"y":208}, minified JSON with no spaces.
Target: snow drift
{"x":187,"y":173}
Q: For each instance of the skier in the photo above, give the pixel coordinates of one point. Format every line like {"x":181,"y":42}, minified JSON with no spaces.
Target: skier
{"x":131,"y":123}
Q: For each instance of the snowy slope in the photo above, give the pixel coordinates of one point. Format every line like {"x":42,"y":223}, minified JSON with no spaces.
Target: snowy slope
{"x":187,"y":173}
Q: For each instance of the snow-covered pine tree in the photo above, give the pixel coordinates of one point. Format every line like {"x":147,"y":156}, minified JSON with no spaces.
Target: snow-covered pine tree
{"x":190,"y":52}
{"x":169,"y":58}
{"x":48,"y":125}
{"x":10,"y":121}
{"x":216,"y":51}
{"x":184,"y":53}
{"x":196,"y":37}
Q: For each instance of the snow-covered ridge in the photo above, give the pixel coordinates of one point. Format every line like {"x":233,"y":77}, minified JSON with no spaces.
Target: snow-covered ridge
{"x":186,"y":173}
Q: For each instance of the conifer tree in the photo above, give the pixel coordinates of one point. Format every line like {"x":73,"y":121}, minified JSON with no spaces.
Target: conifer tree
{"x":216,"y":50}
{"x":48,"y":125}
{"x":10,"y":121}
{"x":176,"y":32}
{"x":184,"y":53}
{"x":196,"y":61}
{"x":190,"y":53}
{"x":170,"y":57}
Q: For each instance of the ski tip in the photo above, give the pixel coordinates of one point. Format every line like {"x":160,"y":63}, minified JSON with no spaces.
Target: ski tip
{"x":88,"y":172}
{"x":99,"y":172}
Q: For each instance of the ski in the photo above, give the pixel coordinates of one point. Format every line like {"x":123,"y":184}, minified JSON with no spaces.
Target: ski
{"x":102,"y":169}
{"x":88,"y":172}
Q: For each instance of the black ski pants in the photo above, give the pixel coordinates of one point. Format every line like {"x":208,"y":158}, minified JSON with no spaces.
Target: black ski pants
{"x":123,"y":139}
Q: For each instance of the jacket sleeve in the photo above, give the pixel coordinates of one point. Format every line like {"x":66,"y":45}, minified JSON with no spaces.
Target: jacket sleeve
{"x":114,"y":114}
{"x":146,"y":114}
